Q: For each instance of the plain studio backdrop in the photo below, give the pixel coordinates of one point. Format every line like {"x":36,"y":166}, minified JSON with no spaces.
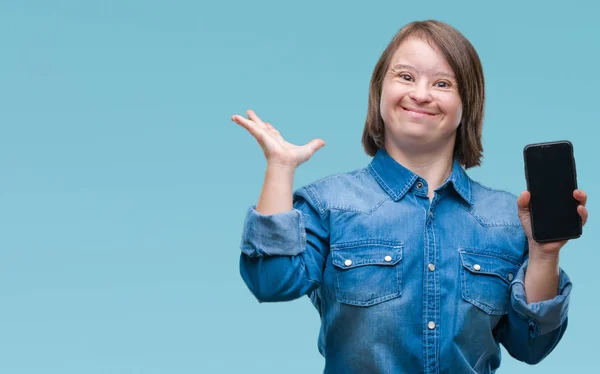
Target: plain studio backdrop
{"x":124,"y":184}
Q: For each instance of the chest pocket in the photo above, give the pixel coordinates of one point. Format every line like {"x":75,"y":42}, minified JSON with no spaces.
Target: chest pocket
{"x":485,"y":280}
{"x":367,"y":272}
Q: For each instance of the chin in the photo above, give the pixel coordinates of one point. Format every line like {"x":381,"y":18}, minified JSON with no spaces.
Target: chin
{"x":416,"y":130}
{"x":412,"y":138}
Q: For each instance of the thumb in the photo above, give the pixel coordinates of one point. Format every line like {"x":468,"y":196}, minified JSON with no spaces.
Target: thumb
{"x":306,"y":151}
{"x":316,"y":144}
{"x":313,"y":146}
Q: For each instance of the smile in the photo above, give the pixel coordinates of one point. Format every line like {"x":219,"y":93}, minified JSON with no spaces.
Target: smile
{"x":418,"y":112}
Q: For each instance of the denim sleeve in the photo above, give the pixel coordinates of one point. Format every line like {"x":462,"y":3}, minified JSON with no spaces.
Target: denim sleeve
{"x":532,"y":330}
{"x":283,"y":254}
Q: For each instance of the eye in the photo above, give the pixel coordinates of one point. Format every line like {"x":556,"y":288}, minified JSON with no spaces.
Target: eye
{"x":442,"y":84}
{"x":404,"y":76}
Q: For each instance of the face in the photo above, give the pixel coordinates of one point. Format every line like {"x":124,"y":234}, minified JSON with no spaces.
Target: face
{"x":420,"y":104}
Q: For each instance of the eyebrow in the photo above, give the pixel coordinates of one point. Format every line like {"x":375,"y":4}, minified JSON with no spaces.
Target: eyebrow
{"x":408,"y":67}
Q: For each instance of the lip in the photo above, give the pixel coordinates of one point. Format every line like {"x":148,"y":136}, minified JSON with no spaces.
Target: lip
{"x":417,"y":111}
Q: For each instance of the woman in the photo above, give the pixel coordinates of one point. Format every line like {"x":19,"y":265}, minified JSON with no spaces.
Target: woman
{"x":413,"y":266}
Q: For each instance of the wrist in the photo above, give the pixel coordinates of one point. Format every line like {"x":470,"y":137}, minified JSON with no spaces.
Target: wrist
{"x":540,"y":259}
{"x":281,"y":167}
{"x":537,"y":252}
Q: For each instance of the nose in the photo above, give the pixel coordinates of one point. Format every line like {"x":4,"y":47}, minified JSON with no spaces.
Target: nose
{"x":420,"y":93}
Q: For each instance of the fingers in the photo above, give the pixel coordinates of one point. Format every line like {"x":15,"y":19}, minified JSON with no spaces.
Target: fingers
{"x":255,"y":118}
{"x":583,"y":212}
{"x":580,"y":196}
{"x":273,"y":130}
{"x":249,"y":125}
{"x":523,"y":200}
{"x":255,"y":125}
{"x":271,"y":140}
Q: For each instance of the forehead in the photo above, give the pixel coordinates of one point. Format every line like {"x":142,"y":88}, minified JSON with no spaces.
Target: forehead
{"x":421,"y":55}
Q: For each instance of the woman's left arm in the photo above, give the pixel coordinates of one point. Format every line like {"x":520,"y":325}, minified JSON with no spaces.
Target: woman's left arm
{"x":539,"y":300}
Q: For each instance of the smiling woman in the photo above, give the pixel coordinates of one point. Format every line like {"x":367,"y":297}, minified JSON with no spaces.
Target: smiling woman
{"x":413,"y":266}
{"x":419,"y":72}
{"x":417,"y":104}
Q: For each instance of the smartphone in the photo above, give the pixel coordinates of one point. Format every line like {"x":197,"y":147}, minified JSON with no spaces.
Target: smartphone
{"x":551,"y":179}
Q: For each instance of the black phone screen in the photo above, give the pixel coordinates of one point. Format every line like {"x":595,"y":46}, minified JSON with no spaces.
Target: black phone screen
{"x":551,"y":180}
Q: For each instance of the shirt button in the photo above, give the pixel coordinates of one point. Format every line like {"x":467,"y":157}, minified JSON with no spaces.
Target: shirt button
{"x":431,"y":325}
{"x":431,"y":267}
{"x":387,"y":258}
{"x":510,"y":277}
{"x":419,"y":184}
{"x":431,"y":214}
{"x":476,"y":267}
{"x":348,"y":262}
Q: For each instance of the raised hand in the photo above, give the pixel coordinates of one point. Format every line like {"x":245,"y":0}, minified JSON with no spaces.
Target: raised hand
{"x":276,"y":149}
{"x":551,"y":248}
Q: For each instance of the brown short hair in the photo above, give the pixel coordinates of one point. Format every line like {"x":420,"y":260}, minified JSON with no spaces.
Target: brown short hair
{"x":464,"y":61}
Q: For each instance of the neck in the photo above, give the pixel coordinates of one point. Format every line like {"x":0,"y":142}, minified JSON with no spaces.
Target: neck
{"x":434,"y":166}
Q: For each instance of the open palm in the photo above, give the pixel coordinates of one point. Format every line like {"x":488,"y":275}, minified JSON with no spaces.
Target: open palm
{"x":276,"y":149}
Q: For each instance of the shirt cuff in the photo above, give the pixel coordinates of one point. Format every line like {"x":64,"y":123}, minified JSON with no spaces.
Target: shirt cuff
{"x":274,"y":234}
{"x":543,"y":316}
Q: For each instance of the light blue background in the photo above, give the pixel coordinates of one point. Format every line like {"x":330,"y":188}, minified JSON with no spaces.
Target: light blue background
{"x":124,"y":184}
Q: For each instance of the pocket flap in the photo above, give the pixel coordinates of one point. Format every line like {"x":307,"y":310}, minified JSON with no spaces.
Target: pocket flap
{"x":349,"y":256}
{"x":489,"y":263}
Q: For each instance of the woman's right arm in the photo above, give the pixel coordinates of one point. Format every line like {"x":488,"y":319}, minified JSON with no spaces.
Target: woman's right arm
{"x":276,"y":194}
{"x":284,"y":239}
{"x":283,"y":254}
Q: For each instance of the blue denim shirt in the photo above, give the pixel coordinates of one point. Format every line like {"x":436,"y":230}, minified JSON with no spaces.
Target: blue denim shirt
{"x":404,"y":284}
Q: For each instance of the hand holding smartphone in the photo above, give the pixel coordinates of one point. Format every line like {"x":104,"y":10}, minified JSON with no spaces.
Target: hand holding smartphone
{"x":551,"y":179}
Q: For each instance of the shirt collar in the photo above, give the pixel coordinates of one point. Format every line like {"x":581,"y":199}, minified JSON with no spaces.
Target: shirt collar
{"x":397,"y":180}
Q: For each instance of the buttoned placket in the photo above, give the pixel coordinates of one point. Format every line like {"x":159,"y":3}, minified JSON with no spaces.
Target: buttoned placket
{"x":431,"y":288}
